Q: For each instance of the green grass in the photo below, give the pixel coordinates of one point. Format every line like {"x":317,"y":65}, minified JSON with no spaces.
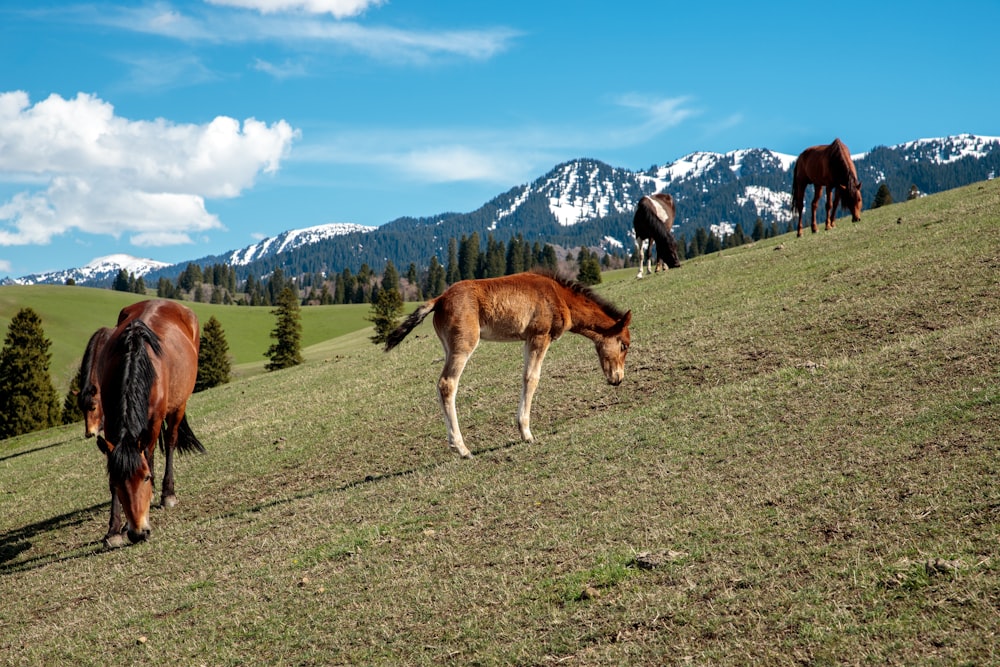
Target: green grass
{"x":71,"y":314}
{"x":807,"y":443}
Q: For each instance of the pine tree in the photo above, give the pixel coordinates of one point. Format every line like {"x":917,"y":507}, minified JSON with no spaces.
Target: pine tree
{"x":213,"y":357}
{"x":452,"y":272}
{"x":286,"y":351}
{"x":71,"y":407}
{"x":121,"y":282}
{"x":435,"y":278}
{"x":515,"y":255}
{"x":28,"y":401}
{"x":495,"y":260}
{"x":548,"y":259}
{"x":390,"y":277}
{"x":468,"y":256}
{"x":883,"y":197}
{"x":589,"y":272}
{"x":385,"y":313}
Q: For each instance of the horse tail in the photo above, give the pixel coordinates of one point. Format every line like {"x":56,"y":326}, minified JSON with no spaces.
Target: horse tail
{"x":187,"y":441}
{"x":798,"y":188}
{"x":409,"y":324}
{"x":137,"y":378}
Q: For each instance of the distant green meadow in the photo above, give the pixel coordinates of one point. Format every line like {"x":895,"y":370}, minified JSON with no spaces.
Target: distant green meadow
{"x":71,"y":314}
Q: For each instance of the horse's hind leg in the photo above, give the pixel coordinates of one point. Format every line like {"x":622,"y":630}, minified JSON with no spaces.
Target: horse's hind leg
{"x":168,"y":441}
{"x":832,"y":208}
{"x":638,"y":244}
{"x":534,"y":354}
{"x":447,"y":389}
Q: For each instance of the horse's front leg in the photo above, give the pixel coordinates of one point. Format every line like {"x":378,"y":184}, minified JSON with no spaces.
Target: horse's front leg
{"x":116,"y":527}
{"x":447,"y":389}
{"x":638,"y":244}
{"x":832,"y":206}
{"x":817,"y":193}
{"x":534,"y":353}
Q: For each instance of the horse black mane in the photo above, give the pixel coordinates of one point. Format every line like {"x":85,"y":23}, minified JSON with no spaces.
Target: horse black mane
{"x":609,"y":308}
{"x":136,"y":378}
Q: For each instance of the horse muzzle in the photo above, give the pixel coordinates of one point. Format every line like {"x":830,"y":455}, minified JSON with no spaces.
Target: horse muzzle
{"x":138,"y":536}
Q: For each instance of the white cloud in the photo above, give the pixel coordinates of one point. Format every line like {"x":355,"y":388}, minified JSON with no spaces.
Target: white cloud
{"x":336,"y":8}
{"x":103,"y":174}
{"x":658,"y":114}
{"x":286,"y":70}
{"x":443,"y":164}
{"x":297,"y":29}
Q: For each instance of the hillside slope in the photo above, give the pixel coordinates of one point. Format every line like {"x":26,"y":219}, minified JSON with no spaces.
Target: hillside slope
{"x":800,"y":467}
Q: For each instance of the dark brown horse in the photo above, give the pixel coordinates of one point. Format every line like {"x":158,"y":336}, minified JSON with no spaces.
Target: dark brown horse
{"x":654,"y":216}
{"x":536,"y":308}
{"x":89,"y":397}
{"x":142,"y":375}
{"x":827,"y":166}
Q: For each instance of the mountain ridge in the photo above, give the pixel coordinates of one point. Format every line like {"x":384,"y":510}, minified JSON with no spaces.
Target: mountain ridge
{"x":584,"y":202}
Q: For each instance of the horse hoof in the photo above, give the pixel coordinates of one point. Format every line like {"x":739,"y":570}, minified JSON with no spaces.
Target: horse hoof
{"x":114,"y":541}
{"x":168,"y":501}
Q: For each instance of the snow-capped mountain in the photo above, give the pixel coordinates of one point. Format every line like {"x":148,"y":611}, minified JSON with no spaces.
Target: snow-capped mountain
{"x":949,"y":149}
{"x":100,"y":271}
{"x":290,"y":240}
{"x":588,"y":202}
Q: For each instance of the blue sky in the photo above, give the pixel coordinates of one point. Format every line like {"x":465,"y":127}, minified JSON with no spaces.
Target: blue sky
{"x":178,"y":129}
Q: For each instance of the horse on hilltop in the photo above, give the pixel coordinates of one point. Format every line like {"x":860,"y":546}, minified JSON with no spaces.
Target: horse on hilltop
{"x":653,"y":219}
{"x":533,"y":307}
{"x":137,"y":379}
{"x":829,"y":166}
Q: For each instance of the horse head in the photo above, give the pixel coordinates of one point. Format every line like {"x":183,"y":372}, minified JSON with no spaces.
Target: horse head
{"x":852,"y":198}
{"x":131,"y":477}
{"x":89,"y":403}
{"x":612,"y":348}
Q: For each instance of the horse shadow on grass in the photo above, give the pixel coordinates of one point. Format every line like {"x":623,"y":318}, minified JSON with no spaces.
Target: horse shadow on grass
{"x":15,"y":542}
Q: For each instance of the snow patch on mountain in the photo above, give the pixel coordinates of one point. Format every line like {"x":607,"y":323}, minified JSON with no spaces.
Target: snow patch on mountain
{"x":99,"y":269}
{"x":293,"y":239}
{"x":766,"y":200}
{"x":950,"y":149}
{"x":581,"y":192}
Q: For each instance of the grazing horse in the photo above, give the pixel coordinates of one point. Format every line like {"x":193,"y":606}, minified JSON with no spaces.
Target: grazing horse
{"x":144,"y":374}
{"x":654,"y":216}
{"x":536,"y":308}
{"x":831,"y":166}
{"x":89,"y":397}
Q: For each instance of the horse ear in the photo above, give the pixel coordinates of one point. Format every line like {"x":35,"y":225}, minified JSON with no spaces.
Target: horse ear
{"x":105,"y":446}
{"x":624,"y":321}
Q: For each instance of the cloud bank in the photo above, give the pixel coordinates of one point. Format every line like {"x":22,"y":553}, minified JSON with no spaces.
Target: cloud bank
{"x":99,"y":173}
{"x":336,"y":8}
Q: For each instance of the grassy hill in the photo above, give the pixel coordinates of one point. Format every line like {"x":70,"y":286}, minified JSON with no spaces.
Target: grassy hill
{"x":71,"y":314}
{"x":801,"y":467}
